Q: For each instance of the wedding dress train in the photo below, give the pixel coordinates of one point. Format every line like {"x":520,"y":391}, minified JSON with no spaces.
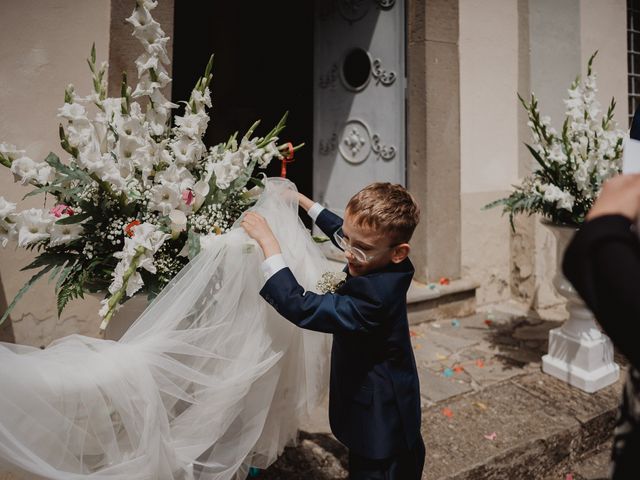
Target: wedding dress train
{"x":208,"y":381}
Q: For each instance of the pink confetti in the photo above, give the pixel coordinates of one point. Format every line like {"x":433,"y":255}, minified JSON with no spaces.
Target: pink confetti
{"x":492,"y":436}
{"x":569,"y":476}
{"x":447,"y":412}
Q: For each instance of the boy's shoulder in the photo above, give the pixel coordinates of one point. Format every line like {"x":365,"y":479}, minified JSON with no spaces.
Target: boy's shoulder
{"x":391,"y":281}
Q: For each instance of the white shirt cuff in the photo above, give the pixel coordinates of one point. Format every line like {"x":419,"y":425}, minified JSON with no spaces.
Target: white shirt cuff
{"x":314,"y":211}
{"x":272,"y":265}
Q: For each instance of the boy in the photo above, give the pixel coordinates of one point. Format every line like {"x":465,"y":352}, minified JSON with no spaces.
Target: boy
{"x":374,"y":395}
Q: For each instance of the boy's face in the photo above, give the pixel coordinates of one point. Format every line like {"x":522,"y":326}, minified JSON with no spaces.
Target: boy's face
{"x":373,"y":244}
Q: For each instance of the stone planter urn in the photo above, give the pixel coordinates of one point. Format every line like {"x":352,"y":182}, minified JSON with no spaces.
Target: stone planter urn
{"x":579,"y":353}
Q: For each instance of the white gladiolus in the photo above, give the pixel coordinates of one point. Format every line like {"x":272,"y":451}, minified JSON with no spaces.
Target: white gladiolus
{"x":229,"y":168}
{"x":26,"y":170}
{"x":178,"y":222}
{"x":562,"y":199}
{"x":192,"y":125}
{"x":200,"y":190}
{"x":124,"y":156}
{"x":270,"y":151}
{"x":165,"y":197}
{"x":10,"y":152}
{"x":32,"y":226}
{"x":7,"y":221}
{"x":61,"y":234}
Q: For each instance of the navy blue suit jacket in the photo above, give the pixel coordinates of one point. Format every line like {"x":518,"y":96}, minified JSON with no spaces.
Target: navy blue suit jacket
{"x":374,"y":395}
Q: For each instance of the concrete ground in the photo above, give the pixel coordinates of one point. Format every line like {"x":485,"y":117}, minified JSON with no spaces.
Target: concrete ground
{"x":488,"y":410}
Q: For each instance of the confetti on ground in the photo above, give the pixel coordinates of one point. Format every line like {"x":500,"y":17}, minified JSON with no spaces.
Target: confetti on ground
{"x":455,"y":323}
{"x":448,"y":373}
{"x":439,"y":356}
{"x":458,"y":368}
{"x":417,"y":346}
{"x":492,"y":436}
{"x":491,"y":316}
{"x":432,"y":286}
{"x":569,"y":476}
{"x":447,"y":412}
{"x":444,"y":281}
{"x":480,"y":405}
{"x":412,"y":333}
{"x":435,"y":325}
{"x":488,"y":322}
{"x":479,"y":363}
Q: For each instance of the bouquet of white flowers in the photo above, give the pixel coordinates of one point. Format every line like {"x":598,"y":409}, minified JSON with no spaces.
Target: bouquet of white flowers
{"x":135,"y":196}
{"x":572,"y":164}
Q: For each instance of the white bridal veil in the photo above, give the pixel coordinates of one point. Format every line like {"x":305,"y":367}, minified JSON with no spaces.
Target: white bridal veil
{"x":208,"y":381}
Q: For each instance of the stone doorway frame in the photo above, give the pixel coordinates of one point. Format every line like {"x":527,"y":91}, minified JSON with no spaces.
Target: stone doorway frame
{"x":433,"y":120}
{"x":433,"y":135}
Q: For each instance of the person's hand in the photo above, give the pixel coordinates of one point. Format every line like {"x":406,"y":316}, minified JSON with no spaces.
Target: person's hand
{"x":619,"y":196}
{"x":257,"y":228}
{"x":305,"y":202}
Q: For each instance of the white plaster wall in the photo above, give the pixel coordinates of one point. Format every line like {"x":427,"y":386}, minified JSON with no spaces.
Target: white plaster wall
{"x":43,"y":47}
{"x":561,"y":36}
{"x":603,"y":27}
{"x":489,"y":138}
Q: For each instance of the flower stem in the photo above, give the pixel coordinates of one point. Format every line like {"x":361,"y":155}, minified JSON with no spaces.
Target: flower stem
{"x":115,"y":299}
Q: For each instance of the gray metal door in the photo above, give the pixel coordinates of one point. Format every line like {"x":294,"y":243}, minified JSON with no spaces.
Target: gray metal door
{"x":359,"y":97}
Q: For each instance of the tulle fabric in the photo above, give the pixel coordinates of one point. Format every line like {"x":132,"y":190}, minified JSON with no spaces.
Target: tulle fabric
{"x":208,"y":381}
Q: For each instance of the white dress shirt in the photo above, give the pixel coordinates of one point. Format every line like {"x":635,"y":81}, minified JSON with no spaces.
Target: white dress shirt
{"x":275,"y":263}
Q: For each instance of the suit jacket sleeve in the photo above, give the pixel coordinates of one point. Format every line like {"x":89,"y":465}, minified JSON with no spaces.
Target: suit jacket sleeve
{"x":329,"y":222}
{"x":329,"y":313}
{"x":603,"y":263}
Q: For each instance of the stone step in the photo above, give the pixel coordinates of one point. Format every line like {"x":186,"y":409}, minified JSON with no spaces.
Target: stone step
{"x":541,"y":426}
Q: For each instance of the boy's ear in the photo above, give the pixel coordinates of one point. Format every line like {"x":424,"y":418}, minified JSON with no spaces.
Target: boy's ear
{"x":400,"y":252}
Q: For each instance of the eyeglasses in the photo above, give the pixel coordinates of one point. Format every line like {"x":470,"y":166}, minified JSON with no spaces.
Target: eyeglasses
{"x":358,"y":254}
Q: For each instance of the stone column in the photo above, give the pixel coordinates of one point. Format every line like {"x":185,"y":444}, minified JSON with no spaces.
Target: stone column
{"x":433,"y":125}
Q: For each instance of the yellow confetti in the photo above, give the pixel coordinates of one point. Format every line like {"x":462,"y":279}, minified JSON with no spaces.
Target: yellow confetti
{"x":480,"y":405}
{"x":439,"y":356}
{"x":417,"y":346}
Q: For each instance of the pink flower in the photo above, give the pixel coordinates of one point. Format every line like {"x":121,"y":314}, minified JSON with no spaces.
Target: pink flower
{"x":188,"y":197}
{"x":61,"y":209}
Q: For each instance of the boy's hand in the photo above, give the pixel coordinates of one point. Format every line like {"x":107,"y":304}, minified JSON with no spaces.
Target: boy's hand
{"x":257,"y":228}
{"x":305,"y":202}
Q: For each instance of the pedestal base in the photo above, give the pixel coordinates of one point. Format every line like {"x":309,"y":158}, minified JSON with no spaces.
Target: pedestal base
{"x":582,"y":362}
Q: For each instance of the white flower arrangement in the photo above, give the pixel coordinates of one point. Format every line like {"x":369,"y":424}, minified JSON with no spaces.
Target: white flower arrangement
{"x":571,"y":164}
{"x":136,"y":194}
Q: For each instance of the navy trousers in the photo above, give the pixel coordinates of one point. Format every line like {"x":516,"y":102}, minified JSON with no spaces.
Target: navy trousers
{"x":407,"y":465}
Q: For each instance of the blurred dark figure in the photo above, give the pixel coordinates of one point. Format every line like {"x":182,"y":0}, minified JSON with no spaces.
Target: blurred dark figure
{"x":603,"y":263}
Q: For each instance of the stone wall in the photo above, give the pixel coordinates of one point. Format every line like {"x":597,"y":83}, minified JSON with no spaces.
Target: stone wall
{"x":508,"y":47}
{"x":43,"y":47}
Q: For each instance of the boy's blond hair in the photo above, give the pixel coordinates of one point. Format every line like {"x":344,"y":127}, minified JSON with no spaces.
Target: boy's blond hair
{"x":387,"y":208}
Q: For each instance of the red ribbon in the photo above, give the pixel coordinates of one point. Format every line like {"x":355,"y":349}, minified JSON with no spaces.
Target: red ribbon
{"x":286,"y":159}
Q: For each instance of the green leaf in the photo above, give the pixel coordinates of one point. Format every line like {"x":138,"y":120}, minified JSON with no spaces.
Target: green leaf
{"x":23,"y":290}
{"x":49,"y":259}
{"x":71,"y":219}
{"x":193,"y":242}
{"x":63,"y":276}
